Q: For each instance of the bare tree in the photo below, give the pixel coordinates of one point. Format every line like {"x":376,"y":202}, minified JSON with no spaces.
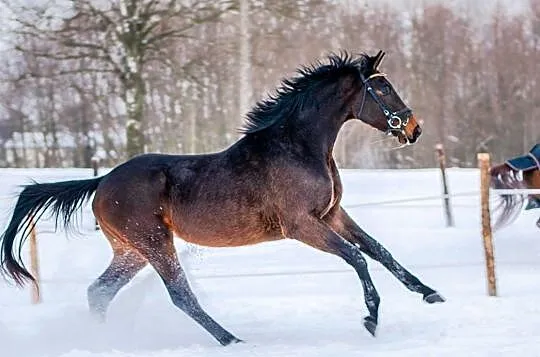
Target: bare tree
{"x":246,"y":90}
{"x":181,"y":80}
{"x":123,"y":37}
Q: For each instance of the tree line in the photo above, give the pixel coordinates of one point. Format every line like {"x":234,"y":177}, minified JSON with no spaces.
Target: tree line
{"x":116,"y":78}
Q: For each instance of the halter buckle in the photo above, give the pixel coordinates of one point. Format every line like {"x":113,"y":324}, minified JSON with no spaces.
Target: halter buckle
{"x":394,"y":122}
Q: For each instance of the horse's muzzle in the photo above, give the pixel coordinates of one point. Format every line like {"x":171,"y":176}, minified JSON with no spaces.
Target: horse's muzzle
{"x":412,"y":130}
{"x":417,"y":131}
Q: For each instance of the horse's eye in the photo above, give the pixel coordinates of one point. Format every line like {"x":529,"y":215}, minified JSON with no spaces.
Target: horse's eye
{"x":385,"y":90}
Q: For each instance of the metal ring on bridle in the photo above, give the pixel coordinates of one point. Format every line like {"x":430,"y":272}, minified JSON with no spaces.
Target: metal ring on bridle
{"x":395,"y":122}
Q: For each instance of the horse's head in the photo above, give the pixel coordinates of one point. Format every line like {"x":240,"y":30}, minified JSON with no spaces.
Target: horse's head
{"x":380,"y":106}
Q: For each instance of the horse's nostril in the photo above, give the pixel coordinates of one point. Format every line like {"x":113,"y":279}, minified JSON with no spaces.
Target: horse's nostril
{"x":415,"y":134}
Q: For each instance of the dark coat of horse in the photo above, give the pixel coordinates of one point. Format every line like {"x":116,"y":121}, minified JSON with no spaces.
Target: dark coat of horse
{"x":278,"y":181}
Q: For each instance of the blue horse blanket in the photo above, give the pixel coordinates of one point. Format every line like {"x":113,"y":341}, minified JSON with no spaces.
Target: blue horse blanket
{"x":530,"y":161}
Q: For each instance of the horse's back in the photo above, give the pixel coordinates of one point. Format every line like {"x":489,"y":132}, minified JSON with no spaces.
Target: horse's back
{"x":139,"y":185}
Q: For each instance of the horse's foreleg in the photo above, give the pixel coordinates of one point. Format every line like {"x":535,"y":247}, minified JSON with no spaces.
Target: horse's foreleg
{"x":318,"y":235}
{"x":344,"y":225}
{"x":157,"y":246}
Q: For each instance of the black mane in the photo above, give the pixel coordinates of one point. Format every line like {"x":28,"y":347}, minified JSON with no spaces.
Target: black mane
{"x":290,"y":96}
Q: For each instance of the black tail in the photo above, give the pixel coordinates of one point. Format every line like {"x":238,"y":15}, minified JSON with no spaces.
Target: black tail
{"x":64,"y":198}
{"x":504,"y":177}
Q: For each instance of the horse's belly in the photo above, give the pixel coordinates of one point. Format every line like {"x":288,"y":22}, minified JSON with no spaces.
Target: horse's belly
{"x":232,"y":232}
{"x":217,"y":241}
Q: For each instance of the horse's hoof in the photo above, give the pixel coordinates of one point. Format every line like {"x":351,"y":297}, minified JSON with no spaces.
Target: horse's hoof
{"x":370,"y":324}
{"x":231,"y":340}
{"x":434,"y":298}
{"x":98,"y":317}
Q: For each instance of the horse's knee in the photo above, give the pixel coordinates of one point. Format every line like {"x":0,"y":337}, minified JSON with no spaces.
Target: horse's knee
{"x":383,"y":255}
{"x":352,"y":255}
{"x":376,"y":251}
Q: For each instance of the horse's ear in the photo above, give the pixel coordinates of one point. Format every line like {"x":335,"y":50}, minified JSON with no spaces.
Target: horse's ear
{"x":378,"y":59}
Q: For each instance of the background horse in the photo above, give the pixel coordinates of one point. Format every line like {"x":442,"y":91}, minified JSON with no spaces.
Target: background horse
{"x":522,"y":172}
{"x":278,"y":181}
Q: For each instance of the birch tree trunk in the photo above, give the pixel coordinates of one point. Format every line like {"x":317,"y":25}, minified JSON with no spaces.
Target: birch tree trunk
{"x":245,"y":86}
{"x":134,"y":98}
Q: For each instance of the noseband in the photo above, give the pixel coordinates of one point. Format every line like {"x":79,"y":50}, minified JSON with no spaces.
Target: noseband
{"x":394,"y":119}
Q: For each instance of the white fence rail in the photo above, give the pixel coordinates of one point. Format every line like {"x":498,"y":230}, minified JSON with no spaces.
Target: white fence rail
{"x":493,"y":192}
{"x":484,"y":194}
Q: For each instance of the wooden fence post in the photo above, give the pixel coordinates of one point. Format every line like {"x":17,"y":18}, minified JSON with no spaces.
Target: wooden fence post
{"x":446,"y":198}
{"x":484,"y":164}
{"x":34,"y":265}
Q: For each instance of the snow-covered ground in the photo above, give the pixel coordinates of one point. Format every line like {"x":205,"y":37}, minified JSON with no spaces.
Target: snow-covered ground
{"x":286,"y":299}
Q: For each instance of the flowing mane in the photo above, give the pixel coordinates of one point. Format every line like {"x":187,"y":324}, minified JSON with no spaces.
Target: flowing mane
{"x":293,"y":92}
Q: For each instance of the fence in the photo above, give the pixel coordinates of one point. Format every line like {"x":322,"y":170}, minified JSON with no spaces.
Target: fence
{"x":487,"y":235}
{"x":484,"y":194}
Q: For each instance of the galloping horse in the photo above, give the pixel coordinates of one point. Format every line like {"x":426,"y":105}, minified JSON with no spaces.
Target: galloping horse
{"x":506,"y":176}
{"x":278,"y":181}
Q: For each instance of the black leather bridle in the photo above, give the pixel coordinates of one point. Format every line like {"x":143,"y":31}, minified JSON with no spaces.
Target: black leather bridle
{"x":397,"y":121}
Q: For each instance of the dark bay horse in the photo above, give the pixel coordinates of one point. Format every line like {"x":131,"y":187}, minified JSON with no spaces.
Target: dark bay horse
{"x":521,"y":172}
{"x":278,"y":181}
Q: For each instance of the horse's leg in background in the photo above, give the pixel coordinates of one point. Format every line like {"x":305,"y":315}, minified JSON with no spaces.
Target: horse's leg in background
{"x":318,"y":235}
{"x":505,"y":177}
{"x":345,"y":226}
{"x":154,"y":241}
{"x":125,"y":264}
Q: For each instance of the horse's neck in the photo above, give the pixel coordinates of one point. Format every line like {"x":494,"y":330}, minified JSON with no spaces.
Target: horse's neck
{"x":319,"y":138}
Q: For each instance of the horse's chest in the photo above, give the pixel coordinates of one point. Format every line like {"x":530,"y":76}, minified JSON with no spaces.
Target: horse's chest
{"x":329,"y":196}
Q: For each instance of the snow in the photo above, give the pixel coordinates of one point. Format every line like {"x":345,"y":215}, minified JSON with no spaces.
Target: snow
{"x":286,"y":299}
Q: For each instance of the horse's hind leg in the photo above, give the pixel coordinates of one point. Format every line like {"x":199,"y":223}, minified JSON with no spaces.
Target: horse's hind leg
{"x":155,"y":242}
{"x":344,"y":225}
{"x":125,"y":264}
